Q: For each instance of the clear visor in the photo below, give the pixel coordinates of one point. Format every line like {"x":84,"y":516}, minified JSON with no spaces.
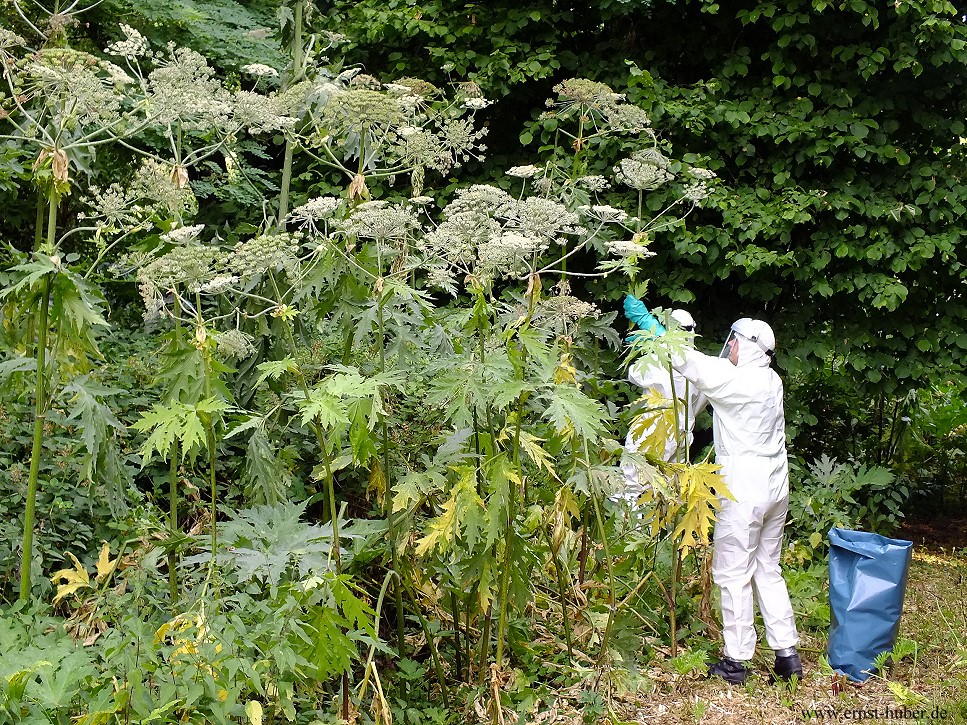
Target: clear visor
{"x":727,"y":347}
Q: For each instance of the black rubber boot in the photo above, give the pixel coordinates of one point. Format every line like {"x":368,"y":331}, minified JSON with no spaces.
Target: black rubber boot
{"x":788,"y":667}
{"x":729,"y":670}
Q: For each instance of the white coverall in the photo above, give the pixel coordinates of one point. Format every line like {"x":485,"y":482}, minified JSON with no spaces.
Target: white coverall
{"x":750,"y":445}
{"x":654,"y":378}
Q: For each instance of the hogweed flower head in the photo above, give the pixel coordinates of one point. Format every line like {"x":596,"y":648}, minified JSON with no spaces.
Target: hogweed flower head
{"x":262,"y":114}
{"x":183,"y":235}
{"x":73,"y":82}
{"x":132,"y":47}
{"x":523,"y":172}
{"x":593,"y":183}
{"x":606,"y":214}
{"x":629,"y":249}
{"x":191,"y":266}
{"x":583,"y":92}
{"x":696,"y":192}
{"x":260,"y":70}
{"x":184,"y":89}
{"x":567,"y":307}
{"x":350,"y":110}
{"x":380,"y":220}
{"x":234,"y":344}
{"x":460,"y":140}
{"x":627,"y":117}
{"x":219,"y":283}
{"x":321,"y":208}
{"x":266,"y":252}
{"x":545,"y":218}
{"x":509,"y":252}
{"x":643,"y":170}
{"x":9,"y":39}
{"x":476,"y":104}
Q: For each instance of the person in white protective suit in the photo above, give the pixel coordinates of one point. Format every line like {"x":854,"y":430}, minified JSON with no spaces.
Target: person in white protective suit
{"x":670,"y":385}
{"x":748,"y":428}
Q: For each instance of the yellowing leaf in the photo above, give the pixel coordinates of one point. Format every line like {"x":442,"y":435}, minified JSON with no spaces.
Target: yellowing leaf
{"x":105,"y":564}
{"x":815,"y":539}
{"x":565,"y":372}
{"x":530,"y":444}
{"x":377,"y":481}
{"x":440,"y":530}
{"x":74,"y":579}
{"x":701,"y":487}
{"x":654,"y":426}
{"x":253,"y":709}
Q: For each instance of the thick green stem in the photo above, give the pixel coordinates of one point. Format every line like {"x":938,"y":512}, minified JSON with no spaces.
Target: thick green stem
{"x":505,"y":575}
{"x":320,"y":439}
{"x":434,"y":653}
{"x":38,"y":443}
{"x":673,"y":596}
{"x":484,"y":646}
{"x":455,"y":616}
{"x":173,"y":483}
{"x":388,"y":499}
{"x":40,"y":403}
{"x":297,"y":60}
{"x":612,"y":596}
{"x":562,"y":593}
{"x":173,"y":521}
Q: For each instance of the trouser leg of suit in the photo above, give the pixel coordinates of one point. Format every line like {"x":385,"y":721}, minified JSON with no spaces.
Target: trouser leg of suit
{"x":737,"y":530}
{"x":771,"y":591}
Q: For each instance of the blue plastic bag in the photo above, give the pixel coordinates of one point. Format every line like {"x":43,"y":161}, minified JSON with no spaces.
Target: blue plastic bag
{"x":867,"y":581}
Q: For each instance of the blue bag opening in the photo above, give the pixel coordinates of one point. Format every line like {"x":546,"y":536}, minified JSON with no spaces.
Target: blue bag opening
{"x":867,"y":582}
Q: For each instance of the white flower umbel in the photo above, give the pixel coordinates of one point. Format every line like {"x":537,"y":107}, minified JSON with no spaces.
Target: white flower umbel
{"x":132,"y":47}
{"x":567,"y":307}
{"x":183,"y":235}
{"x":546,"y":218}
{"x":594,"y":183}
{"x":380,"y":220}
{"x":476,"y":104}
{"x":267,"y":252}
{"x":607,"y":214}
{"x":523,"y":172}
{"x":315,"y":210}
{"x":509,"y":253}
{"x":218,"y":284}
{"x":260,"y":70}
{"x":629,"y":249}
{"x":643,"y":170}
{"x":234,"y":344}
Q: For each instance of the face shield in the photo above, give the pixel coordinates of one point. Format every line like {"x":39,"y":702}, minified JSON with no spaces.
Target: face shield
{"x":729,"y":341}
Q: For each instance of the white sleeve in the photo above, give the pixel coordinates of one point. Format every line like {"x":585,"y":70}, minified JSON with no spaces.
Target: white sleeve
{"x":646,"y":376}
{"x":711,"y":375}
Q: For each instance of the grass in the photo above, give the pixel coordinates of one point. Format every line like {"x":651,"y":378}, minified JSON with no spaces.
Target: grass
{"x":934,"y":682}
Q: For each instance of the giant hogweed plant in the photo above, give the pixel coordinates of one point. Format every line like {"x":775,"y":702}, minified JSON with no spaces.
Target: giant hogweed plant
{"x":62,"y":106}
{"x":526,"y":455}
